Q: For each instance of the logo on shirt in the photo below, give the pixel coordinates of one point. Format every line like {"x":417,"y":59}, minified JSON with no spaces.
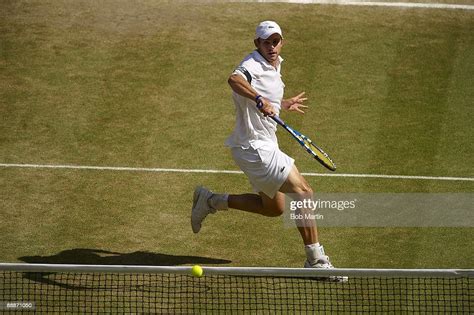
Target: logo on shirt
{"x":282,"y":169}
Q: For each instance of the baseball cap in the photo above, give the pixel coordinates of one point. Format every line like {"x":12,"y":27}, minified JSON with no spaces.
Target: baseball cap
{"x":267,"y":29}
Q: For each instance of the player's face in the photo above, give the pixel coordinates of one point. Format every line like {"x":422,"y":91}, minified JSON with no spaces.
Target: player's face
{"x":270,"y":48}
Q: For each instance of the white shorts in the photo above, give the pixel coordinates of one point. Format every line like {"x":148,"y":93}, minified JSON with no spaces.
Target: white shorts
{"x":267,"y":167}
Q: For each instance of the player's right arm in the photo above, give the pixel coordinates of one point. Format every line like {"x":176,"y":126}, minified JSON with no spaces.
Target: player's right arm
{"x":241,"y":86}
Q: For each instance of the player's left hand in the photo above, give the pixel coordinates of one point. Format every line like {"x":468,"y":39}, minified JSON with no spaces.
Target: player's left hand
{"x":295,"y":104}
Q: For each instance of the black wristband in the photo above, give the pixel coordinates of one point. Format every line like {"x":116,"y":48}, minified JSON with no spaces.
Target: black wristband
{"x":259,"y":102}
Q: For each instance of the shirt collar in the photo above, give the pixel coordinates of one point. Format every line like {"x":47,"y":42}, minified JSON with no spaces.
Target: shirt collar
{"x":265,"y":62}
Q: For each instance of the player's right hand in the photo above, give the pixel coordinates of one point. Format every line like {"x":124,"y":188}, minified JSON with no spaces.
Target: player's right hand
{"x":265,"y":107}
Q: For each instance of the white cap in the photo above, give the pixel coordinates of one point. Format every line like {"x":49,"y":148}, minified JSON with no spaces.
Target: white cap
{"x":267,"y":29}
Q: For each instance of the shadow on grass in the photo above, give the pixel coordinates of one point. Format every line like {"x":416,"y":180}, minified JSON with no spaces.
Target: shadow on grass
{"x":85,"y":256}
{"x":102,"y":257}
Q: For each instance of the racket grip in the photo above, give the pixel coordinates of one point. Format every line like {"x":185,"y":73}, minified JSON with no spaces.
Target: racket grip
{"x":278,"y":120}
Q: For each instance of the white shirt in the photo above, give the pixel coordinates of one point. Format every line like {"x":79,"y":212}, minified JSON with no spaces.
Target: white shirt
{"x":252,"y":129}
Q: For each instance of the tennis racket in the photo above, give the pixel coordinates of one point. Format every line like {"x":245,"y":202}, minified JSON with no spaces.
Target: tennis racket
{"x":318,"y":153}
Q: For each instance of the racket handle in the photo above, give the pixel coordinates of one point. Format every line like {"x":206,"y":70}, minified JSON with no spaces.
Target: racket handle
{"x":278,"y":120}
{"x":259,"y":102}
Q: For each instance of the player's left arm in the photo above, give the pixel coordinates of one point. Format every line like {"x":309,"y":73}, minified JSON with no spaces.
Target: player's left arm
{"x":295,"y":103}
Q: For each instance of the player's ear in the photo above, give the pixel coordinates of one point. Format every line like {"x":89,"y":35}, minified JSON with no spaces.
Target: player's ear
{"x":255,"y":41}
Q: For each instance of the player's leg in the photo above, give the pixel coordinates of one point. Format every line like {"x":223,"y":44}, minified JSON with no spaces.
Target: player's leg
{"x":260,"y":204}
{"x":299,"y":189}
{"x":206,"y":202}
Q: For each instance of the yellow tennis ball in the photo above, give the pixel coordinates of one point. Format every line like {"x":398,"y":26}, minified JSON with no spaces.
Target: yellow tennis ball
{"x":197,"y":271}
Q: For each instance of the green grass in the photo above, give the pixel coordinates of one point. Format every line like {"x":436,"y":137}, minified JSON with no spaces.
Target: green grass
{"x":144,"y":85}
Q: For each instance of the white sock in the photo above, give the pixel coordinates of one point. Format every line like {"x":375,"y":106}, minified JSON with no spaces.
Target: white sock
{"x":219,"y":201}
{"x":314,"y":252}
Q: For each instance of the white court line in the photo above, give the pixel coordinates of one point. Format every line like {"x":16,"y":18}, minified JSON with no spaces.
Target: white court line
{"x":376,"y":4}
{"x":180,"y":170}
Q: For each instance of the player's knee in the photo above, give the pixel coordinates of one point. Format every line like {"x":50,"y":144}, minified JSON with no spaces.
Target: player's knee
{"x":304,"y":191}
{"x":299,"y":186}
{"x":274,"y":210}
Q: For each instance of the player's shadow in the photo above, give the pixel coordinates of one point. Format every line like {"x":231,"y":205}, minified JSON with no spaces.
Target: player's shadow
{"x":83,"y":256}
{"x":86,"y":256}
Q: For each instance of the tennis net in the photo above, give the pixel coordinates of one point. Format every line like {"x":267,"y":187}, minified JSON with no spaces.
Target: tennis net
{"x":82,"y":289}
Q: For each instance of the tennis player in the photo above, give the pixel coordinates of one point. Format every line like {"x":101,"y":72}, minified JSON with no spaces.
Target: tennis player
{"x":254,"y":145}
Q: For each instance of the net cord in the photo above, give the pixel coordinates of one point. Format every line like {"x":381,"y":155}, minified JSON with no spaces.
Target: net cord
{"x":242,"y":271}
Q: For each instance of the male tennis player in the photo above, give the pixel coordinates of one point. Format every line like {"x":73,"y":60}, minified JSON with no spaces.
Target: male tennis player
{"x":254,"y":145}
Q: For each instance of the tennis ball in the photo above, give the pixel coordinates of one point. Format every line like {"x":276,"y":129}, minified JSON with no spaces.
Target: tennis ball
{"x":197,"y":271}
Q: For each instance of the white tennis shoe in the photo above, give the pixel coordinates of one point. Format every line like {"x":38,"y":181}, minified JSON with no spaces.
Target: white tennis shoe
{"x":324,"y":263}
{"x":200,"y":208}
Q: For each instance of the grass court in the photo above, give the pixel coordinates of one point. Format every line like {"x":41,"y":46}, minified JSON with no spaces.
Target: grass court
{"x":144,"y":84}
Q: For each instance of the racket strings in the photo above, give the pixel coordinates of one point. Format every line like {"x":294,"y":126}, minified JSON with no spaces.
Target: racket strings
{"x":320,"y":154}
